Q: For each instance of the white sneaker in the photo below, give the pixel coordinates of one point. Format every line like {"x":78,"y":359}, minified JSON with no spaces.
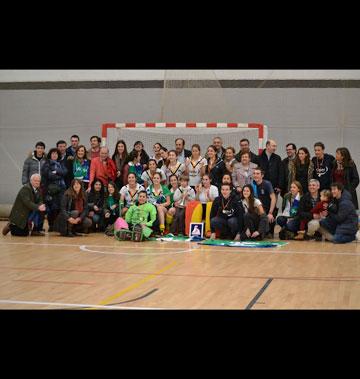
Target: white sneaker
{"x":358,"y":236}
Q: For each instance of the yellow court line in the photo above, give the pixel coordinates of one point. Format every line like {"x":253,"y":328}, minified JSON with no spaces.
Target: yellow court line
{"x":137,"y":284}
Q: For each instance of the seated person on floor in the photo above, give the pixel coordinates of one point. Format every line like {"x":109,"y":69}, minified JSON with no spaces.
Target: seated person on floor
{"x":317,"y":211}
{"x":226,"y":214}
{"x":139,"y":214}
{"x":341,"y":223}
{"x":256,"y":223}
{"x":289,"y":220}
{"x":73,"y":211}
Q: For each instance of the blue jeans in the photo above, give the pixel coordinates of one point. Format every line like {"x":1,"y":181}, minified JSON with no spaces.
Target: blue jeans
{"x":38,"y":220}
{"x":291,"y":225}
{"x":342,"y":238}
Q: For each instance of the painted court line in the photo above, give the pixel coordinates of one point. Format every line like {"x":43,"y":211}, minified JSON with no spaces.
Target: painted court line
{"x":257,"y":296}
{"x":84,"y":248}
{"x":137,"y":284}
{"x":4,"y":301}
{"x":53,"y":282}
{"x":78,"y":245}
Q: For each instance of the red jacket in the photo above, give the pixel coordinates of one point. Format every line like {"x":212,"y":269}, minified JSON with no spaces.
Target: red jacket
{"x":104,"y":172}
{"x":319,"y":207}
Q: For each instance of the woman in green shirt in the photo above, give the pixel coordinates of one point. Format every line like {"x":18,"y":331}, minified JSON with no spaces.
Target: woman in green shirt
{"x":139,"y":214}
{"x":159,"y":195}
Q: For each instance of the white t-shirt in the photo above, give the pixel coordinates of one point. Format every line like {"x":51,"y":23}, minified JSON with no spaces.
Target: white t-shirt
{"x":145,"y":176}
{"x":194,"y":171}
{"x":130,"y":198}
{"x":257,"y":203}
{"x":213,"y":193}
{"x":177,"y":170}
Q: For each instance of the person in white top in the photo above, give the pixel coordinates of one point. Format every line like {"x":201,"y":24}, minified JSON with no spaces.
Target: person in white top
{"x":256,"y":223}
{"x":129,"y":193}
{"x":147,"y":175}
{"x":173,"y":166}
{"x":182,"y":196}
{"x":195,"y":166}
{"x":157,"y":152}
{"x":206,"y":192}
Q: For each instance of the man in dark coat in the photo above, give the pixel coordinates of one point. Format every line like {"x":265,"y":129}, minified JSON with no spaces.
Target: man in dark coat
{"x":181,"y":151}
{"x":26,"y":210}
{"x":271,"y":164}
{"x":341,"y":224}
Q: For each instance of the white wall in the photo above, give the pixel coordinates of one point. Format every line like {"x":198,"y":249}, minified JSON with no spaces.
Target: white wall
{"x":109,"y":75}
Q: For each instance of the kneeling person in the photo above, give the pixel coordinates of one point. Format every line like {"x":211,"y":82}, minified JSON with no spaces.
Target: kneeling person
{"x":138,"y":214}
{"x":27,"y":210}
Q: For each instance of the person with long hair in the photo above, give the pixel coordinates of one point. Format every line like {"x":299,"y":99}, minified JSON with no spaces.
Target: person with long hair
{"x":96,"y":200}
{"x":147,"y":175}
{"x":173,"y":166}
{"x":173,"y":186}
{"x":159,"y":196}
{"x":345,"y":172}
{"x":111,"y":206}
{"x":195,"y":166}
{"x":157,"y":153}
{"x":206,"y":192}
{"x":289,"y":220}
{"x":73,"y":212}
{"x":227,"y":179}
{"x":53,"y":176}
{"x":215,"y":166}
{"x":129,"y":193}
{"x":243,"y":172}
{"x":229,"y":159}
{"x":164,"y":157}
{"x":301,"y":169}
{"x":256,"y":223}
{"x":225,"y":214}
{"x":79,"y":167}
{"x":120,"y":157}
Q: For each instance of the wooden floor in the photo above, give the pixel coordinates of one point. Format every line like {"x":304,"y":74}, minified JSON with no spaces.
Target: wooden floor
{"x":98,"y":272}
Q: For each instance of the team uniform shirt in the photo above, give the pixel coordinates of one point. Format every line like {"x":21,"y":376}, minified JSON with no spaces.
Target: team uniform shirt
{"x":130,"y":195}
{"x":179,"y":192}
{"x":147,"y":176}
{"x":194,"y":171}
{"x":177,"y":170}
{"x":213,"y":193}
{"x":158,"y":197}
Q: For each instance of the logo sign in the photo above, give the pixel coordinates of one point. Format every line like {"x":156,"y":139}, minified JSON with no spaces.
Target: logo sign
{"x":197,"y":229}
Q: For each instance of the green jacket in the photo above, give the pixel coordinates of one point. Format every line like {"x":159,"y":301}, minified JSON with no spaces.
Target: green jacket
{"x":138,"y":214}
{"x":25,"y":203}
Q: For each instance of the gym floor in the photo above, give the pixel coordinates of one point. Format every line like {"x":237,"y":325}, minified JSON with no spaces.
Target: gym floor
{"x":97,"y":272}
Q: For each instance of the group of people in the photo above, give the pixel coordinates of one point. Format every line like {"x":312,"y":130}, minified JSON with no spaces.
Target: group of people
{"x":83,"y":190}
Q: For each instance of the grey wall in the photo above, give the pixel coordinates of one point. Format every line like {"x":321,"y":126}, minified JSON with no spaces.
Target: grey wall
{"x":300,"y":115}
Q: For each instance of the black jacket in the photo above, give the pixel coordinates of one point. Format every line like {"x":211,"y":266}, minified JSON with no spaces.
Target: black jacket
{"x":343,"y":214}
{"x":273,"y":169}
{"x":351,"y":181}
{"x":322,"y":170}
{"x":305,"y":207}
{"x":233,"y":208}
{"x":68,"y":205}
{"x":216,"y":173}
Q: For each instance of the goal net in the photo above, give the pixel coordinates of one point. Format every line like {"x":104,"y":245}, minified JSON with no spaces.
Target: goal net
{"x":200,"y":133}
